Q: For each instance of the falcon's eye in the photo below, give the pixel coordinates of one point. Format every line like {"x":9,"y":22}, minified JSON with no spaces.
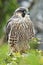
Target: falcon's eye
{"x":23,"y":13}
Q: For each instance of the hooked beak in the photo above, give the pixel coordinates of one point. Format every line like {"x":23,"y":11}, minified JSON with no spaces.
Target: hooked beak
{"x":28,"y":13}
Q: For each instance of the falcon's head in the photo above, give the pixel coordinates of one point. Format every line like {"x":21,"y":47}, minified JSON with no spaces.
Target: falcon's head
{"x":22,"y":11}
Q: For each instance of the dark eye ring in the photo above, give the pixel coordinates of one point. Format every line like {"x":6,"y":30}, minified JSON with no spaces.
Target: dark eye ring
{"x":23,"y":14}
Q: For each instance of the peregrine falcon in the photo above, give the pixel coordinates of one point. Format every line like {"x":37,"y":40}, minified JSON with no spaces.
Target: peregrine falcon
{"x":19,"y":30}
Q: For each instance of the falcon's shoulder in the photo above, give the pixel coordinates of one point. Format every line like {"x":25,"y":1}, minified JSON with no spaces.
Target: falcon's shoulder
{"x":10,"y":23}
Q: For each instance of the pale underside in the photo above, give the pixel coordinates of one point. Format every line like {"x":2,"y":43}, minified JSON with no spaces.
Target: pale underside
{"x":20,"y":34}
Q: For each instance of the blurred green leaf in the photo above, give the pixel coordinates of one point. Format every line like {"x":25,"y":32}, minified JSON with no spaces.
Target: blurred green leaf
{"x":7,"y":7}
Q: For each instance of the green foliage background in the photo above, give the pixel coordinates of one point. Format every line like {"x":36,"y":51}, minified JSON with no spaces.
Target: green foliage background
{"x":7,"y":7}
{"x":32,"y":57}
